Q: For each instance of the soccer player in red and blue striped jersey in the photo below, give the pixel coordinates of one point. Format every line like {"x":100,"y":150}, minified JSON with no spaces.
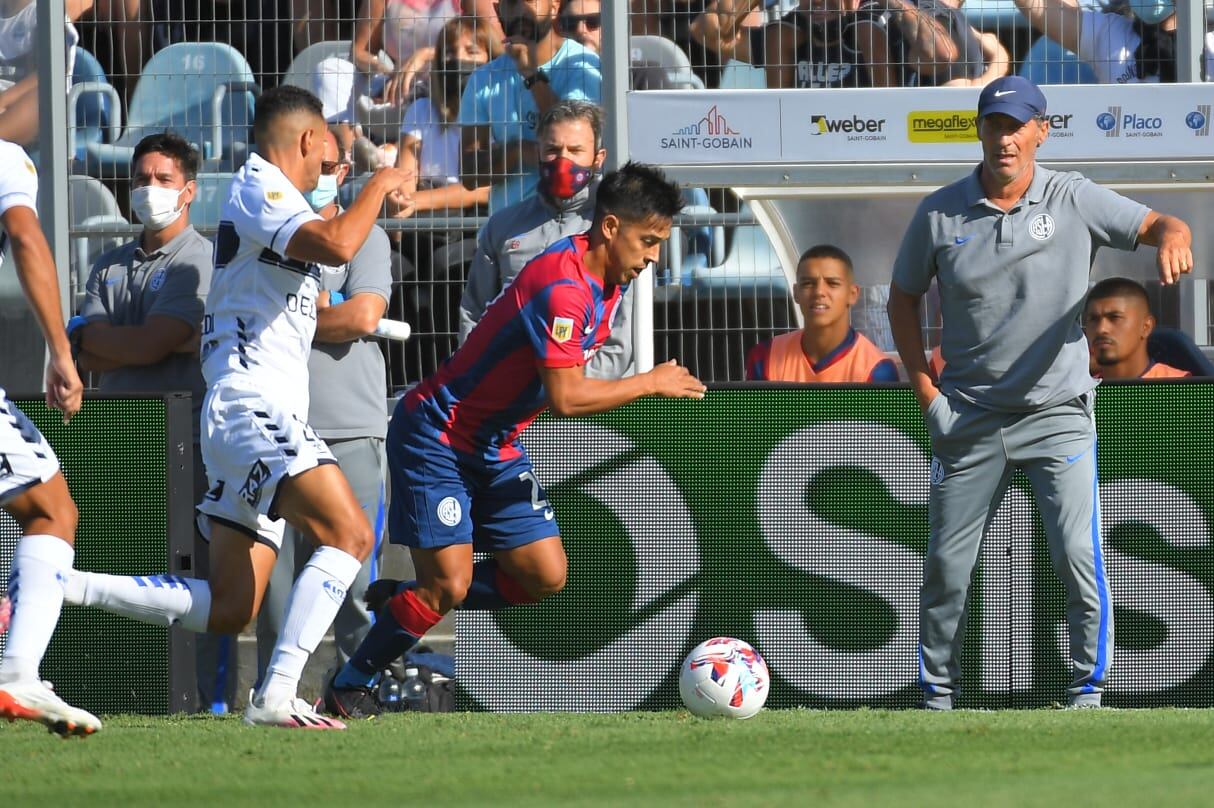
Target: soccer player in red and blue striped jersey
{"x":461,"y":480}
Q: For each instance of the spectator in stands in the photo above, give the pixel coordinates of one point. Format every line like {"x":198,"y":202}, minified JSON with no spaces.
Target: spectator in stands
{"x":139,"y":324}
{"x":582,"y":21}
{"x":855,"y":43}
{"x":1117,"y":320}
{"x":571,"y":155}
{"x":346,"y":408}
{"x":827,"y":348}
{"x":504,"y":99}
{"x":19,"y":65}
{"x":430,"y":134}
{"x":406,"y":31}
{"x":1128,"y":43}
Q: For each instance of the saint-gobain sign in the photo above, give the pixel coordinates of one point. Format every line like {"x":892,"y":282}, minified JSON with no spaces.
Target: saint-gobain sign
{"x":796,"y":519}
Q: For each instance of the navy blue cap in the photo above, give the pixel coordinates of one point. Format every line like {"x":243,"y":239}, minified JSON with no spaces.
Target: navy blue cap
{"x":1014,"y":96}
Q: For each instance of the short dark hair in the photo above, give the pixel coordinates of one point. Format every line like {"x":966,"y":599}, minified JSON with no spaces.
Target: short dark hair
{"x":172,"y":145}
{"x":828,"y":251}
{"x":285,"y":99}
{"x":573,"y":109}
{"x":635,"y":193}
{"x":1119,"y":287}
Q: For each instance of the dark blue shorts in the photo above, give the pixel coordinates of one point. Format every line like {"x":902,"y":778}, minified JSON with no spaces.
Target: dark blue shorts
{"x":442,"y":497}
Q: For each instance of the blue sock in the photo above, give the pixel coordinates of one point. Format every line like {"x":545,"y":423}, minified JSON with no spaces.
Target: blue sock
{"x":384,"y":642}
{"x":483,"y":592}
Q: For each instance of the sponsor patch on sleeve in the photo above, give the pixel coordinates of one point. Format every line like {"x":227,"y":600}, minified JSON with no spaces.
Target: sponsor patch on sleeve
{"x":274,"y":196}
{"x":29,"y":166}
{"x":562,"y":329}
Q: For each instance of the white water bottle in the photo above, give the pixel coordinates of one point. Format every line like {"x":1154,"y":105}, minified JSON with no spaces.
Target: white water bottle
{"x":393,"y":329}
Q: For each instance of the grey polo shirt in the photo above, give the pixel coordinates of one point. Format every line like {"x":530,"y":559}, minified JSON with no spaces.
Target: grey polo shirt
{"x":127,"y":285}
{"x":346,"y":380}
{"x":1012,"y":285}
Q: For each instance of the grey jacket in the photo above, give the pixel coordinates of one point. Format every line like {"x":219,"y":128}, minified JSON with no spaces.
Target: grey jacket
{"x":515,"y":235}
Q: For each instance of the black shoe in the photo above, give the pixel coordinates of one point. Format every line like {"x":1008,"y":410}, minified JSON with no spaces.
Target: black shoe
{"x":350,"y":702}
{"x":379,"y":592}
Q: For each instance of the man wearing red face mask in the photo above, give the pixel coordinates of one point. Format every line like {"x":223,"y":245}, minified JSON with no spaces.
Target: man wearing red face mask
{"x":571,"y":157}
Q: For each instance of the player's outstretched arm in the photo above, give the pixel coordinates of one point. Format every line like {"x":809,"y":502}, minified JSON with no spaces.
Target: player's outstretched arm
{"x":1175,"y":242}
{"x":40,"y":282}
{"x":571,"y":393}
{"x":335,"y":241}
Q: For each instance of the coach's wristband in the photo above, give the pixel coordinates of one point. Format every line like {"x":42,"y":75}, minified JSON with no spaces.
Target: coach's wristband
{"x":75,"y":331}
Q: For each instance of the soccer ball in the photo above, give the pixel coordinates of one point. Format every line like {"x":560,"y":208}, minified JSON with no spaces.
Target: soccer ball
{"x":724,"y":678}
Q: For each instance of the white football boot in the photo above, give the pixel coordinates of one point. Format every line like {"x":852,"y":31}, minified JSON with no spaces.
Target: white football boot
{"x":291,"y":714}
{"x":35,"y":701}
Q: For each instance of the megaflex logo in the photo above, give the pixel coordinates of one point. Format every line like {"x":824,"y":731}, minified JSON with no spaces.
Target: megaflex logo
{"x":710,"y":132}
{"x":942,"y":126}
{"x":1199,"y":120}
{"x":1116,"y":124}
{"x":855,"y":127}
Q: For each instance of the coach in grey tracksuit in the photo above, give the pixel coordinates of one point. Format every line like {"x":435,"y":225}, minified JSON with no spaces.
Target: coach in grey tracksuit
{"x":520,"y":232}
{"x":1010,"y":248}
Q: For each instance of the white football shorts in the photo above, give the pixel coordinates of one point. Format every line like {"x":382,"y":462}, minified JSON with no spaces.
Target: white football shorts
{"x":26,"y":459}
{"x":249,"y":446}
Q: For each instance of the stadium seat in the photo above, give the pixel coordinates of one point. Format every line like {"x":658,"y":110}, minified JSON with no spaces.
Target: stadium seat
{"x":204,"y":91}
{"x":1047,"y":62}
{"x":299,"y":72}
{"x":700,"y":245}
{"x":91,"y":204}
{"x":1176,"y":348}
{"x":208,"y":200}
{"x":751,"y":263}
{"x":659,"y":64}
{"x":736,"y":75}
{"x":94,"y":109}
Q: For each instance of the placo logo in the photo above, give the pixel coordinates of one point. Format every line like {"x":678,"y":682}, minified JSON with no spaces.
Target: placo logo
{"x":1199,"y":120}
{"x":855,"y":127}
{"x":710,"y":132}
{"x":942,"y":126}
{"x":1117,"y":123}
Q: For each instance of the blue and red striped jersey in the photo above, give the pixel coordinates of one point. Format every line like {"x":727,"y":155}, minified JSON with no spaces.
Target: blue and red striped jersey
{"x":555,"y":314}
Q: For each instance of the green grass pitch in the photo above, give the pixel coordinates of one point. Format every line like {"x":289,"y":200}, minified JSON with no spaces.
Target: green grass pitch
{"x":791,"y":757}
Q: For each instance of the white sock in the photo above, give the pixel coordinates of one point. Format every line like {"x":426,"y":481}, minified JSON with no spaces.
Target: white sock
{"x":157,"y":599}
{"x":317,"y":595}
{"x":35,"y":588}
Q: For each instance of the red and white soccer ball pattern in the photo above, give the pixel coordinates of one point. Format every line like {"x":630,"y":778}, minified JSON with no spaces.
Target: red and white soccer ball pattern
{"x":724,"y":678}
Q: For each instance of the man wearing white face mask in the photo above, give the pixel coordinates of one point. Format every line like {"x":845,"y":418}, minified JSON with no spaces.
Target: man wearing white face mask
{"x":139,"y":323}
{"x":138,"y":326}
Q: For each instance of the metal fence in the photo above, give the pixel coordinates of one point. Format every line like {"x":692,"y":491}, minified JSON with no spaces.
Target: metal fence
{"x":384,"y":67}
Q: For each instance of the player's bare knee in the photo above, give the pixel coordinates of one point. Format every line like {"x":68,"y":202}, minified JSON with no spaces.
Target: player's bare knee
{"x":547,"y":583}
{"x":451,"y":590}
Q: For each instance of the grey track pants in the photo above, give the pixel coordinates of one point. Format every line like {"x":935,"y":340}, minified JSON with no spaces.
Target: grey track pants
{"x":975,"y":451}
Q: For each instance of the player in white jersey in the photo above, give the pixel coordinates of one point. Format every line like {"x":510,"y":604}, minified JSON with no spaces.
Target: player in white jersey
{"x":32,"y":489}
{"x":264,"y":463}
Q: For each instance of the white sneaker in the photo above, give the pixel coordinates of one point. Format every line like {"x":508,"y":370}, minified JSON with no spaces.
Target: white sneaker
{"x":35,"y":701}
{"x":291,"y":714}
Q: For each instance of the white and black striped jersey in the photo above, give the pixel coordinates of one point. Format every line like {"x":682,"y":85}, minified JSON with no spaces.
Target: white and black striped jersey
{"x":18,"y":184}
{"x":261,"y":310}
